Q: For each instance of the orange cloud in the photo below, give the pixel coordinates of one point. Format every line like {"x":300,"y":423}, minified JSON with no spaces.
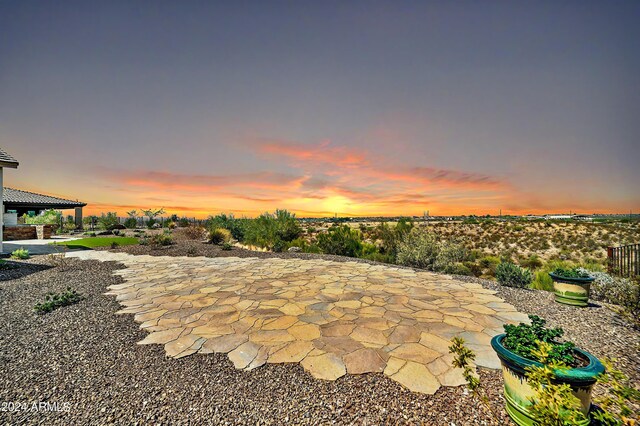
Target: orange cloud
{"x":323,"y":153}
{"x":333,"y":160}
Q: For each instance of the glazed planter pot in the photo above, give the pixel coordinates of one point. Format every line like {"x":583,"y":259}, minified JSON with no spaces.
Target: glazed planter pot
{"x":517,"y":391}
{"x":571,"y":291}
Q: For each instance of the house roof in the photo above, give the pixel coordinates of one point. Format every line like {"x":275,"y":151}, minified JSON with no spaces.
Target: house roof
{"x":7,"y":160}
{"x":19,"y":198}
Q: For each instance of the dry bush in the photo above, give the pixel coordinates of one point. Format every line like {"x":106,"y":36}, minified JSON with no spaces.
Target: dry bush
{"x":195,"y":232}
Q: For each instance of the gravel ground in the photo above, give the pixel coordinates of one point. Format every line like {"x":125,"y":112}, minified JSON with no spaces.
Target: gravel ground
{"x":86,"y":356}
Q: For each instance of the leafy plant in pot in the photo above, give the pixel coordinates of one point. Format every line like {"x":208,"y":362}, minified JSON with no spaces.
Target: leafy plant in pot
{"x":571,"y":286}
{"x":519,"y":350}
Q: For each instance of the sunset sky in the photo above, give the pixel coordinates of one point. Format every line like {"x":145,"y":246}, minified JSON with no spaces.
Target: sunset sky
{"x":354,"y":108}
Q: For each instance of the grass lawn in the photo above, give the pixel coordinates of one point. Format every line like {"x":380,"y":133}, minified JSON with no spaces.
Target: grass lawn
{"x":92,"y":242}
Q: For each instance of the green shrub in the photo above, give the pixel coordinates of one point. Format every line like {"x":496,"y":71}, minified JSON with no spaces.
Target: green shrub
{"x":68,"y":227}
{"x":489,"y":264}
{"x":21,"y":253}
{"x":130,"y":223}
{"x":229,"y":222}
{"x":624,"y":292}
{"x":511,"y":275}
{"x":272,"y":231}
{"x":391,"y":237}
{"x":226,"y":246}
{"x":571,"y":273}
{"x":523,"y":340}
{"x":421,"y":249}
{"x":162,"y":239}
{"x":457,"y":269}
{"x":55,"y":301}
{"x":449,"y":258}
{"x":183,"y":222}
{"x":342,"y":241}
{"x":48,"y":217}
{"x":474,"y":268}
{"x":108,"y":221}
{"x":418,"y":249}
{"x":542,"y":281}
{"x":532,"y":262}
{"x":219,"y":236}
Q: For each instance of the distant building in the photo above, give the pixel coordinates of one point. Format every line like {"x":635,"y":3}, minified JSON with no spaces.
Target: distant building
{"x":559,"y":216}
{"x":6,"y":161}
{"x":17,"y":203}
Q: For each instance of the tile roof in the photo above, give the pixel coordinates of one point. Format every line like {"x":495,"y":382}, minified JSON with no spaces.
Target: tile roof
{"x":12,"y":196}
{"x":7,"y":160}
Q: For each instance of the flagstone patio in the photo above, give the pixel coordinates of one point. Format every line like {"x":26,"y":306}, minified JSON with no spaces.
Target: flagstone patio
{"x":331,"y":317}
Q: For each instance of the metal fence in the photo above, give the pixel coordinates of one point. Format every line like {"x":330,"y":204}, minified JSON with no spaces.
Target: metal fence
{"x":624,"y":260}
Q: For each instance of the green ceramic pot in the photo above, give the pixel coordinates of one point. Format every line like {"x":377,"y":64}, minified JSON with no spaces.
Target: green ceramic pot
{"x":517,"y":391}
{"x":571,"y":291}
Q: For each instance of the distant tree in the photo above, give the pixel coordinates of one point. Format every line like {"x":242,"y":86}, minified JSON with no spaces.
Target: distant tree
{"x":132,"y":221}
{"x":151,"y":215}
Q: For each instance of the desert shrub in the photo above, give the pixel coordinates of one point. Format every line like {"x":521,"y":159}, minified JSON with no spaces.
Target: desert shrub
{"x":195,"y":232}
{"x":418,"y":249}
{"x":219,"y":236}
{"x":161,"y":239}
{"x":421,"y":249}
{"x":229,"y":222}
{"x":542,"y":281}
{"x":474,"y":268}
{"x":170,"y":224}
{"x":342,"y":241}
{"x":391,"y":237}
{"x":449,"y":258}
{"x":226,"y":245}
{"x":272,"y":231}
{"x":532,"y":262}
{"x":456,"y":269}
{"x":69,"y":227}
{"x":511,"y":275}
{"x":304,"y":245}
{"x":371,"y":252}
{"x":108,"y":221}
{"x":21,"y":253}
{"x":183,"y":222}
{"x":54,"y":301}
{"x":489,"y":264}
{"x":624,"y":292}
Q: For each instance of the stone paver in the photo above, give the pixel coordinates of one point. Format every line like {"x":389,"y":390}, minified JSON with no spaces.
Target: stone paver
{"x":331,"y":317}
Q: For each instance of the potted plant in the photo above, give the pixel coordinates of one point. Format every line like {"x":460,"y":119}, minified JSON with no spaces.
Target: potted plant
{"x":571,"y":286}
{"x":518,"y":353}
